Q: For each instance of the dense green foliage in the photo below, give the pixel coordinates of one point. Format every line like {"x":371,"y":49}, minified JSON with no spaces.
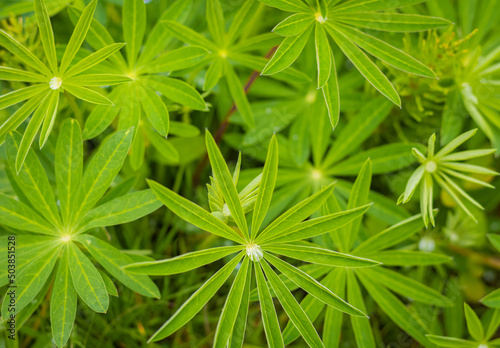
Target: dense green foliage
{"x":250,"y":173}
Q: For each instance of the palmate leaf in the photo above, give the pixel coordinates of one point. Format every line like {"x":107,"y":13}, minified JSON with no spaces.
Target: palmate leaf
{"x":397,"y":22}
{"x":293,"y":25}
{"x":197,"y":300}
{"x":238,"y":334}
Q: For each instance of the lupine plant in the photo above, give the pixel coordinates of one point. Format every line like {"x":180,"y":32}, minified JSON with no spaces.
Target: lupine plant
{"x":249,"y":173}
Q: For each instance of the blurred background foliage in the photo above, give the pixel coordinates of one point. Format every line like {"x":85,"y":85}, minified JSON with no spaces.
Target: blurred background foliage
{"x":465,"y":57}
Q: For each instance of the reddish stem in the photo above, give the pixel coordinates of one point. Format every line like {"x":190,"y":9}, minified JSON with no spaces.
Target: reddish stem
{"x":223,"y":126}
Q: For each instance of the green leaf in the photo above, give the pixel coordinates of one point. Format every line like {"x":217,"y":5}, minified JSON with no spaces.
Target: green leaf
{"x":100,"y":172}
{"x":18,"y":215}
{"x":50,"y":117}
{"x":87,"y":280}
{"x":396,"y":310}
{"x":266,"y":186}
{"x":21,"y":53}
{"x":33,"y":181}
{"x":336,"y":281}
{"x":113,"y":261}
{"x":238,"y":335}
{"x":241,"y":21}
{"x":452,"y":145}
{"x":155,"y":109}
{"x":494,"y":240}
{"x":408,"y":258}
{"x":188,"y":35}
{"x":323,"y":55}
{"x":391,"y":236}
{"x":319,"y":255}
{"x":134,"y":26}
{"x":287,"y":52}
{"x":215,"y":21}
{"x":178,"y":91}
{"x":313,"y":287}
{"x":473,"y":324}
{"x":87,"y":94}
{"x":355,"y":6}
{"x":81,"y":29}
{"x":229,"y":313}
{"x":451,"y":342}
{"x":69,"y":165}
{"x":358,"y":197}
{"x":102,"y":115}
{"x":183,"y":263}
{"x":97,"y":80}
{"x":239,"y":96}
{"x":197,"y":301}
{"x":294,"y":25}
{"x":178,"y":59}
{"x":406,"y":286}
{"x":11,"y":74}
{"x":193,"y":213}
{"x":492,"y":299}
{"x":268,"y":313}
{"x":225,"y":181}
{"x":398,"y":22}
{"x":387,"y":53}
{"x":295,"y":214}
{"x":365,"y":66}
{"x":31,"y":279}
{"x":20,"y":95}
{"x":62,"y":302}
{"x":331,"y":95}
{"x":46,"y":34}
{"x":129,"y":207}
{"x":93,"y":59}
{"x":30,"y":132}
{"x":358,"y":130}
{"x":110,"y":286}
{"x":317,"y":226}
{"x":158,"y":38}
{"x":292,"y":308}
{"x":361,"y":326}
{"x":288,"y":5}
{"x":214,"y":72}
